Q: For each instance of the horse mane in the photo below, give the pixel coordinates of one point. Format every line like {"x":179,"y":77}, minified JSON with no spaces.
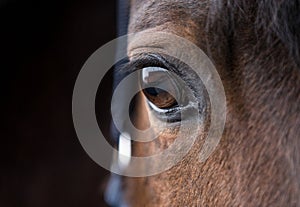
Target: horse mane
{"x":274,"y":20}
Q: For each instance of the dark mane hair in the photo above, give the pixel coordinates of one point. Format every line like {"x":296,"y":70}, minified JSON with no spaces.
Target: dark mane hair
{"x":272,"y":21}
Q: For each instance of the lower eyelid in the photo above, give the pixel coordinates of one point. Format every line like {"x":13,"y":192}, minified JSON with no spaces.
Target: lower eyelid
{"x":159,"y":110}
{"x":169,"y":115}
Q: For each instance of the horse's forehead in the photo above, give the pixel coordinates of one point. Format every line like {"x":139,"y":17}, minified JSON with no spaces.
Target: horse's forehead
{"x":177,"y":3}
{"x":183,"y":18}
{"x":151,"y":13}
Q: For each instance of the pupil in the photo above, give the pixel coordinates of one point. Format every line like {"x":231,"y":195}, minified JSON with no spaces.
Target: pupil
{"x":161,"y":98}
{"x":153,"y":91}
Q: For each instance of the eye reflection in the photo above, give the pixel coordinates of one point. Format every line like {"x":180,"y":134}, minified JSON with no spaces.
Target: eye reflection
{"x":153,"y":80}
{"x":160,"y":98}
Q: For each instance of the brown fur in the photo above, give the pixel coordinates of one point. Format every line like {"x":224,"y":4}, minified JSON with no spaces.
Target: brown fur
{"x":255,"y":48}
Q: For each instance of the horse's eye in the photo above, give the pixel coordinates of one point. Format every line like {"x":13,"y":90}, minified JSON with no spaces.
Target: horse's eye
{"x":160,"y":87}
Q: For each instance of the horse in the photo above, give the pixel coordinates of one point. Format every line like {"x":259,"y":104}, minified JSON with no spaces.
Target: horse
{"x":254,"y":46}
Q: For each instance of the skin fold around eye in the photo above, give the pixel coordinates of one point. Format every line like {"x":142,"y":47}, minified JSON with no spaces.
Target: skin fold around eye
{"x":178,"y":79}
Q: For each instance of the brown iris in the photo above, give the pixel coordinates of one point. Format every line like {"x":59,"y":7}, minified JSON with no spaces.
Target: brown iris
{"x":159,"y":87}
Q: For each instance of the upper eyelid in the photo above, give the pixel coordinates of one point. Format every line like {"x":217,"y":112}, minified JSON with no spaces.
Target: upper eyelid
{"x":127,"y":66}
{"x":143,"y":60}
{"x":147,"y":60}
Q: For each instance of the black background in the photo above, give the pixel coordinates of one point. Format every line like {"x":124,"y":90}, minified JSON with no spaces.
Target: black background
{"x":43,"y":46}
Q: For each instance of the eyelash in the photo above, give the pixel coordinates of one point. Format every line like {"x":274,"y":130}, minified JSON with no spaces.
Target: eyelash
{"x":140,"y":61}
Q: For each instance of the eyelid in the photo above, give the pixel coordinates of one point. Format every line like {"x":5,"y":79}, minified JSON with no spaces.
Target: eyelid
{"x":149,"y":60}
{"x":169,"y":63}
